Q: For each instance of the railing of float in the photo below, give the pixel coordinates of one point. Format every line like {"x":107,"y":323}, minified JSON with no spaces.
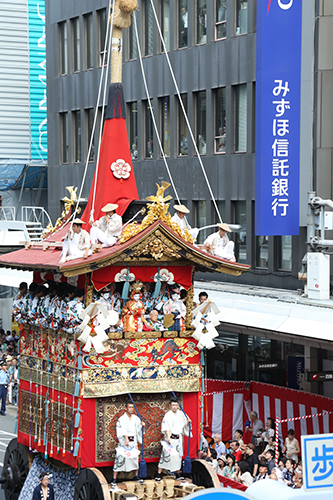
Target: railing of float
{"x":7,"y":213}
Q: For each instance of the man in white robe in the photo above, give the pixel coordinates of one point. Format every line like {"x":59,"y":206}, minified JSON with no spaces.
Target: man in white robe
{"x":180,"y":219}
{"x":76,"y":244}
{"x":174,"y":426}
{"x":129,"y":434}
{"x":218,"y":243}
{"x":108,"y":228}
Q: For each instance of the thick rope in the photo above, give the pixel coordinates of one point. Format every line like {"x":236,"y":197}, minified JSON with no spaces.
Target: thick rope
{"x":151,"y":110}
{"x":104,"y":68}
{"x":184,"y":112}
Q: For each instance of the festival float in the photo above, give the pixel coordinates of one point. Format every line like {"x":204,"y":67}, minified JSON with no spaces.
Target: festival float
{"x":75,"y":378}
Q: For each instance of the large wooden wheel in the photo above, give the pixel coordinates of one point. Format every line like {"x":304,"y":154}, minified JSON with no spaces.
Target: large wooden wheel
{"x":203,"y":474}
{"x":15,"y":469}
{"x":91,"y":485}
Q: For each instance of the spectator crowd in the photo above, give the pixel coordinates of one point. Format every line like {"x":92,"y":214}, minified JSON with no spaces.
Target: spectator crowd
{"x":250,"y":456}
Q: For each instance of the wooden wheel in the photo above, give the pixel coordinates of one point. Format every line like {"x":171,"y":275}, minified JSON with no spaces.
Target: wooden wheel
{"x":203,"y":474}
{"x":91,"y":485}
{"x":15,"y":469}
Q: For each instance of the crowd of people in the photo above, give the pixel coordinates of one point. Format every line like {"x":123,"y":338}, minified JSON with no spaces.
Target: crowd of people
{"x":9,"y":373}
{"x":250,"y":456}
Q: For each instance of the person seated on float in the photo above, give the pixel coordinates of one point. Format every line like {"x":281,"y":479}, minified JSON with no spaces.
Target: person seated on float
{"x":151,"y":322}
{"x":73,"y":311}
{"x":108,"y":228}
{"x":76,"y":244}
{"x":133,"y":311}
{"x":18,"y":302}
{"x":28,"y":298}
{"x":180,"y":219}
{"x":218,"y":243}
{"x":175,"y":307}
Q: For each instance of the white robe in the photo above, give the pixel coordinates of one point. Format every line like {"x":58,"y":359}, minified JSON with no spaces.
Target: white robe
{"x":221,"y":247}
{"x":107,"y":232}
{"x":127,"y":427}
{"x":183,"y":224}
{"x":177,"y":424}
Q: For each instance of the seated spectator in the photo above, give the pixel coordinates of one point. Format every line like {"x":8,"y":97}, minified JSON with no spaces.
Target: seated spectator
{"x":229,"y":469}
{"x":263,"y":471}
{"x":279,"y":471}
{"x":251,"y":459}
{"x":243,"y":473}
{"x":269,"y":430}
{"x":270,"y":455}
{"x":269,"y":446}
{"x":214,"y":462}
{"x":291,"y":446}
{"x":222,"y":462}
{"x":289,"y":472}
{"x":237,"y":453}
{"x":239,"y":437}
{"x":219,"y":446}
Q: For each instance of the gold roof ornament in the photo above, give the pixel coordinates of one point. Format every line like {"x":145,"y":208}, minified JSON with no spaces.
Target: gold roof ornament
{"x":137,"y":286}
{"x":69,"y":203}
{"x":158,"y":209}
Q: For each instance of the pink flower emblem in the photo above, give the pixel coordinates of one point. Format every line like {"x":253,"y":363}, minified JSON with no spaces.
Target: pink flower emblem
{"x":121,"y":169}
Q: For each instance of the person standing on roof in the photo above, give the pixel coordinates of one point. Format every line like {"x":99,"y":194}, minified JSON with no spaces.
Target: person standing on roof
{"x":179,"y":218}
{"x":107,"y":229}
{"x":76,"y":244}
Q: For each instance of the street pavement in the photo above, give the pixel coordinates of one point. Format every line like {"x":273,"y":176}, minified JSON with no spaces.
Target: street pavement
{"x":7,"y":424}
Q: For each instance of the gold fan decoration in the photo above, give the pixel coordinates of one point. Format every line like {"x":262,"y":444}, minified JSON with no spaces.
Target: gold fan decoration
{"x":157,"y":210}
{"x":69,"y":203}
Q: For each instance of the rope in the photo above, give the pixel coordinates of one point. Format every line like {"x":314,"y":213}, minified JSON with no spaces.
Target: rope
{"x":107,"y":39}
{"x":184,"y":111}
{"x":151,"y":109}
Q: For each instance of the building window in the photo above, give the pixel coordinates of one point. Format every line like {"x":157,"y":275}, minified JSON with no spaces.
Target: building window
{"x":165,"y":118}
{"x":220,"y":122}
{"x":201,"y":220}
{"x":165,"y":15}
{"x":133,"y":127}
{"x":63,"y":48}
{"x":149,"y":23}
{"x":262,"y":251}
{"x":240,"y":237}
{"x":77,"y":136}
{"x":284,"y":253}
{"x":201,"y":21}
{"x":241,"y":17}
{"x":240,"y":117}
{"x":183,"y":130}
{"x":221,"y":208}
{"x":183,"y":23}
{"x":133,"y":46}
{"x":64,"y":137}
{"x":149,"y":135}
{"x":221,"y":19}
{"x":201,"y":122}
{"x":102,"y":25}
{"x":89,"y":128}
{"x":76,"y":44}
{"x":88,"y":21}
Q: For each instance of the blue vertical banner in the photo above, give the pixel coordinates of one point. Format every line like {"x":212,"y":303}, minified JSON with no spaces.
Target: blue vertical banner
{"x":37,"y":72}
{"x":278,"y":89}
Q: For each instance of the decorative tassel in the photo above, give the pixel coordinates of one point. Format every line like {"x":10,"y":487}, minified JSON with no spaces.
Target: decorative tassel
{"x":124,"y":295}
{"x":79,"y":360}
{"x":77,"y":386}
{"x":77,"y":414}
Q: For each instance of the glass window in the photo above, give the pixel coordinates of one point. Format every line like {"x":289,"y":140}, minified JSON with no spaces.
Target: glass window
{"x":221,"y":19}
{"x":240,"y":117}
{"x":221,"y":207}
{"x":183,"y":23}
{"x":262,"y":251}
{"x":88,"y":20}
{"x":149,"y":126}
{"x":89,"y":127}
{"x":183,"y":130}
{"x":165,"y":114}
{"x":102,"y":22}
{"x":285,"y":253}
{"x":133,"y":46}
{"x":63,"y":48}
{"x":240,"y":237}
{"x":77,"y":136}
{"x":241,"y":17}
{"x":133,"y":126}
{"x":201,"y":122}
{"x":201,"y":21}
{"x":64,"y":137}
{"x":149,"y":23}
{"x":220,"y":122}
{"x":201,"y":220}
{"x":166,"y":23}
{"x":76,"y":44}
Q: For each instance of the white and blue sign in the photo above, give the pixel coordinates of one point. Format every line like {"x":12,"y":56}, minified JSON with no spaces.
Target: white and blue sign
{"x":278,"y":88}
{"x":37,"y":71}
{"x":317,"y":461}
